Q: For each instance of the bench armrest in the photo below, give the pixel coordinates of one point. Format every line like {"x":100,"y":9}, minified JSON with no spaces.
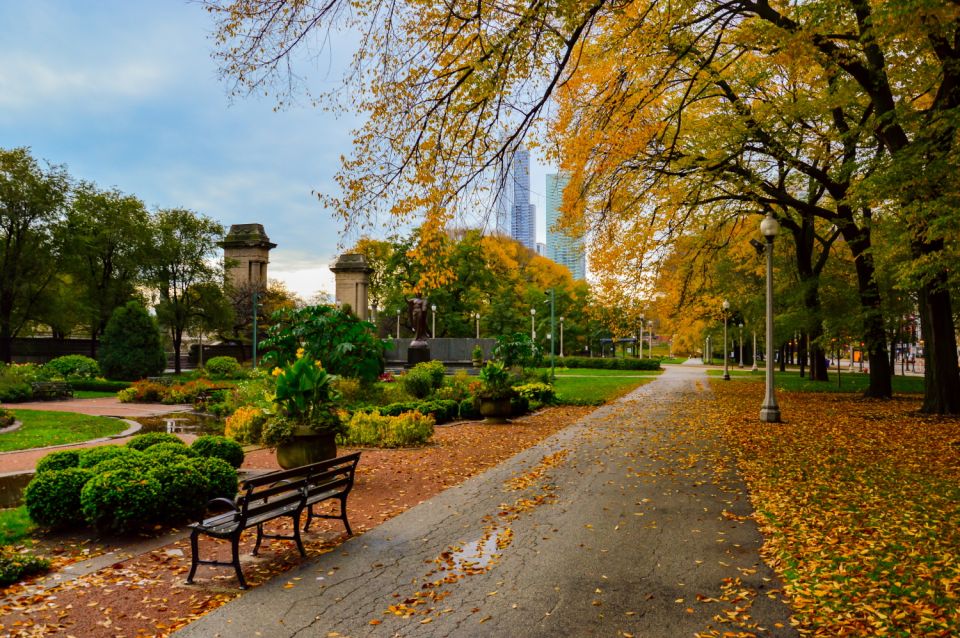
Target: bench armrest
{"x":225,"y":501}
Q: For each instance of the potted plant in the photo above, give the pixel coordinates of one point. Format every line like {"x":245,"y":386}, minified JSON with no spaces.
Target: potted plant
{"x":305,"y":423}
{"x":476,"y":357}
{"x":494,"y":396}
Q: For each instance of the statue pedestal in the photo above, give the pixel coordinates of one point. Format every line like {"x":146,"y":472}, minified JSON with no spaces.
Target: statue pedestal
{"x":418,"y":352}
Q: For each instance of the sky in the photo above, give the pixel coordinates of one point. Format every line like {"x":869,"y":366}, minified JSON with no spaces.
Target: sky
{"x":127,"y":95}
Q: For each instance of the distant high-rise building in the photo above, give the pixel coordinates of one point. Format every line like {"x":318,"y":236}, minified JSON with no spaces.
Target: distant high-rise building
{"x":541,"y":249}
{"x":516,"y":216}
{"x":566,"y":251}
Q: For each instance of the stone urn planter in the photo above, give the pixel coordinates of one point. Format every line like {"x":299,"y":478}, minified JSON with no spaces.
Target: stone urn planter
{"x":495,"y":410}
{"x":307,"y":446}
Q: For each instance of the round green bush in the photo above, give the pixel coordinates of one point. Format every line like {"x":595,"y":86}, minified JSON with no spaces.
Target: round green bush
{"x":53,"y":497}
{"x":58,"y":461}
{"x":72,"y":366}
{"x":219,"y":447}
{"x":221,"y":477}
{"x":138,"y":462}
{"x":183,"y":490}
{"x":96,"y":455}
{"x":163,"y":452}
{"x":222,"y":367}
{"x":469,"y":409}
{"x":131,"y":347}
{"x":143,"y":441}
{"x":418,"y":382}
{"x":14,"y":391}
{"x":120,"y":500}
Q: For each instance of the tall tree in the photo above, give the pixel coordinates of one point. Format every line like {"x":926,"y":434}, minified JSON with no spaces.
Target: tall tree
{"x":180,"y":264}
{"x":32,"y":200}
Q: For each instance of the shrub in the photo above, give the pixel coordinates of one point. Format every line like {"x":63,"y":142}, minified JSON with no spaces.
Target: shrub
{"x":15,"y":565}
{"x":185,"y":392}
{"x":410,"y":428}
{"x":99,"y":385}
{"x":223,"y":367}
{"x":127,"y":395}
{"x":541,"y":392}
{"x":120,"y":500}
{"x":165,"y":453}
{"x":442,"y":410}
{"x":12,"y":391}
{"x":351,"y":391}
{"x":469,"y":410}
{"x":458,"y":387}
{"x":219,"y":447}
{"x":517,"y":350}
{"x":437,"y":372}
{"x":611,"y":363}
{"x":418,"y":382}
{"x":183,"y":490}
{"x":246,"y":424}
{"x":143,"y":392}
{"x":140,"y":463}
{"x":147,"y":439}
{"x":72,"y":366}
{"x":53,"y":497}
{"x":131,"y":347}
{"x":7,"y":418}
{"x":519,"y":405}
{"x":221,"y":478}
{"x":58,"y":461}
{"x":95,"y":455}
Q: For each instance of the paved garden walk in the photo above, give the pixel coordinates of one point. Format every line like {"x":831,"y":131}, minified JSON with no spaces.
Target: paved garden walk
{"x":625,"y":524}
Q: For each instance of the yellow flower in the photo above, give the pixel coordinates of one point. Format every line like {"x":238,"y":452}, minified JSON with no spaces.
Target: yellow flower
{"x":277,"y":372}
{"x":318,"y":364}
{"x":300,"y":353}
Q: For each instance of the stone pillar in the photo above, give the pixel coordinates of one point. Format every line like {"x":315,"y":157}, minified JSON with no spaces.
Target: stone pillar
{"x":352,"y":276}
{"x":246,"y":253}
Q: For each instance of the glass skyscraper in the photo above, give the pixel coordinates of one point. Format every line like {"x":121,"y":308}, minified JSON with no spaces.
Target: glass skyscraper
{"x":564,"y":250}
{"x":516,"y":216}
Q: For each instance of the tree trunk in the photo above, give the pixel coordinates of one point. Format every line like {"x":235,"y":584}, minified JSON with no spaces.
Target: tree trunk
{"x":941,"y":376}
{"x":783,"y":357}
{"x":802,"y":353}
{"x":177,"y":343}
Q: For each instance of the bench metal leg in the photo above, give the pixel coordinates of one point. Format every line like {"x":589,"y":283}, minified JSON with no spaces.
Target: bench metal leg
{"x":256,"y":546}
{"x":194,"y":556}
{"x":296,"y":536}
{"x":342,"y":516}
{"x":235,"y":546}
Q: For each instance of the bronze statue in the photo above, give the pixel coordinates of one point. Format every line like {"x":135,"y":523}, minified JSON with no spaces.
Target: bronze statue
{"x":417,"y":312}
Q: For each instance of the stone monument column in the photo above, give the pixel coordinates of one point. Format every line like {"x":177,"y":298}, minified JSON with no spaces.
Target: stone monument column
{"x":352,"y":281}
{"x":246,"y":253}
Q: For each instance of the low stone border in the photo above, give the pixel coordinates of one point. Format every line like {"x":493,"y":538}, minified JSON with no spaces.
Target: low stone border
{"x":11,"y":428}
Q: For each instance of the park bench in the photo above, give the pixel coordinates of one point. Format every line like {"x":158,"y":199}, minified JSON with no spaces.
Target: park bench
{"x":51,"y":390}
{"x":281,"y":494}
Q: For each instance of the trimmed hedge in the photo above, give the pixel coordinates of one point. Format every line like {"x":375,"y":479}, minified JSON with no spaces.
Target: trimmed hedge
{"x":409,"y":428}
{"x":219,"y":447}
{"x":53,"y":497}
{"x":58,"y":461}
{"x":148,"y":439}
{"x":221,"y":478}
{"x":610,"y":363}
{"x":93,"y":456}
{"x":183,"y":490}
{"x":442,"y":410}
{"x":99,"y":385}
{"x":120,"y":500}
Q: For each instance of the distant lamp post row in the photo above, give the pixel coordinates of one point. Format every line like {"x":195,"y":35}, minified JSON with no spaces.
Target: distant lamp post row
{"x":769,"y":410}
{"x":726,"y":354}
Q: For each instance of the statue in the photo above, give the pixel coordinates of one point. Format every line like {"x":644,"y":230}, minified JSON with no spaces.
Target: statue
{"x":417,"y":312}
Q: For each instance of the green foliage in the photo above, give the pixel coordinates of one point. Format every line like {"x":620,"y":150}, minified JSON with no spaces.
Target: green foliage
{"x":42,"y":428}
{"x":303,"y":391}
{"x":143,"y":441}
{"x":183,"y":490}
{"x":611,"y":363}
{"x":58,"y":461}
{"x":517,"y":350}
{"x":98,"y":385}
{"x":221,"y":477}
{"x":540,"y":392}
{"x":442,"y":410}
{"x":458,"y":387}
{"x":418,"y":381}
{"x":120,"y":500}
{"x":15,"y":565}
{"x":477,"y":354}
{"x":53,"y":497}
{"x":7,"y":418}
{"x":219,"y":447}
{"x":95,"y":455}
{"x":224,"y":367}
{"x":347,"y":346}
{"x":14,"y":391}
{"x":245,"y":424}
{"x":15,"y":524}
{"x":351,"y":391}
{"x":519,"y":405}
{"x":469,"y":410}
{"x":497,"y":381}
{"x":409,"y":428}
{"x":168,"y":453}
{"x":140,"y":463}
{"x":72,"y":366}
{"x":131,"y":347}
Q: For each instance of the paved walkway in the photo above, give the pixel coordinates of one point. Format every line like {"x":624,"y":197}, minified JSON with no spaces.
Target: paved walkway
{"x":617,"y":526}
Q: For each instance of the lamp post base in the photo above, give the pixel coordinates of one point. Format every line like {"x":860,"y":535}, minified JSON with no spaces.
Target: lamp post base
{"x":726,"y":376}
{"x":770,"y":414}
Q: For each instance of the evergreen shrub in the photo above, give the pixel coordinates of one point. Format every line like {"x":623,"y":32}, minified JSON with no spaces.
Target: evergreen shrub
{"x":58,"y":461}
{"x":95,"y":455}
{"x":147,"y":439}
{"x":409,"y":428}
{"x":183,"y":490}
{"x":131,"y":347}
{"x":72,"y":366}
{"x":120,"y":500}
{"x":219,"y":447}
{"x":53,"y":497}
{"x":223,"y":367}
{"x":221,"y":477}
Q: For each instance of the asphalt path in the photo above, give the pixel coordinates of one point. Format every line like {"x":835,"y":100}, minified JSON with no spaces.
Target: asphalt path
{"x":625,"y":524}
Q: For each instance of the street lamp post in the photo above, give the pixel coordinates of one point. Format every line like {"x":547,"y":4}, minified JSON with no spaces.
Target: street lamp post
{"x":476,"y":318}
{"x":433,"y":317}
{"x":710,"y":349}
{"x":640,"y":342}
{"x":754,"y":368}
{"x":398,"y":323}
{"x":769,"y":411}
{"x":561,"y":336}
{"x":649,"y":339}
{"x":533,"y":327}
{"x":741,"y":345}
{"x":726,"y":370}
{"x":553,"y":331}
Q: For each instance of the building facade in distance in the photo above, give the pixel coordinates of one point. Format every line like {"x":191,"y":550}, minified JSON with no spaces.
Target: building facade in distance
{"x":564,"y":250}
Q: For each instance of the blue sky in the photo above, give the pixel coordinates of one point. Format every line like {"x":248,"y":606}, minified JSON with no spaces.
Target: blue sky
{"x":125,"y":93}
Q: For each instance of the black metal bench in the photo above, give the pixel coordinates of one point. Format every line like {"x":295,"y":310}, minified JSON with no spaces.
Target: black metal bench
{"x":51,"y":390}
{"x":286,"y":493}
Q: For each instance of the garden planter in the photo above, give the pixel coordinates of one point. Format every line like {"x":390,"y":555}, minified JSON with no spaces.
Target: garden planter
{"x":495,"y":410}
{"x":307,"y":447}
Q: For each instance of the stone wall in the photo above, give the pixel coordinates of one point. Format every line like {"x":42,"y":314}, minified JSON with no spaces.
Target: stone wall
{"x":447,"y":350}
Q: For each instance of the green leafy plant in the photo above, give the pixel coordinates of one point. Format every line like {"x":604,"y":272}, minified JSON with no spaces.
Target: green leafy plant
{"x":611,"y":363}
{"x":497,"y":381}
{"x":147,"y":439}
{"x":517,"y":351}
{"x":223,"y":367}
{"x":131,"y":347}
{"x":95,"y":455}
{"x":58,"y":461}
{"x":53,"y":497}
{"x":417,"y":382}
{"x":221,"y":477}
{"x":120,"y":500}
{"x":7,"y":418}
{"x":347,"y":346}
{"x":219,"y":447}
{"x":409,"y":428}
{"x":183,"y":490}
{"x":540,"y":392}
{"x":72,"y":366}
{"x":15,"y":566}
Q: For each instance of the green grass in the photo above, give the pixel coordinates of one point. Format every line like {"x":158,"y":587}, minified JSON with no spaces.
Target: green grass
{"x":849,"y":381}
{"x":597,"y":372}
{"x":667,"y":359}
{"x":596,"y":389}
{"x":15,"y":525}
{"x":41,"y":428}
{"x":92,"y":394}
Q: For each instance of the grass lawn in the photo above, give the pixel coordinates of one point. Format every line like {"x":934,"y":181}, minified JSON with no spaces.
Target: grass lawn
{"x":92,"y":394}
{"x":592,"y":372}
{"x":849,"y":381}
{"x":15,"y":525}
{"x":41,"y":428}
{"x":595,"y":389}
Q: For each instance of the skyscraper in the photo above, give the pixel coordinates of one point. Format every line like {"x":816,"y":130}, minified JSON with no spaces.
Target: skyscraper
{"x":516,"y":216}
{"x":566,"y":251}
